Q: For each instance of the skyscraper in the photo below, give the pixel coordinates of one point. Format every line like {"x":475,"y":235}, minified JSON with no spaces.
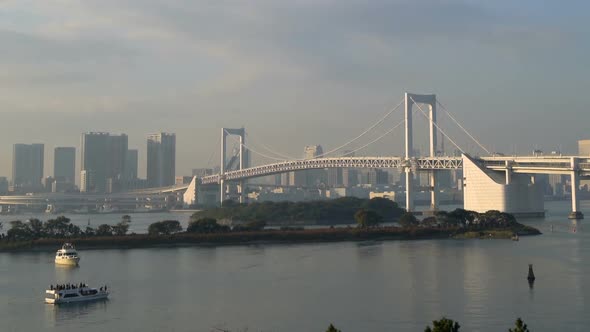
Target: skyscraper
{"x":27,"y":165}
{"x":64,"y":164}
{"x":131,"y":165}
{"x":161,"y":159}
{"x":103,"y":157}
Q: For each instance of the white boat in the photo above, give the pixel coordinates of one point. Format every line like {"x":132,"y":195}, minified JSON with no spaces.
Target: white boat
{"x":67,"y":255}
{"x":74,"y":294}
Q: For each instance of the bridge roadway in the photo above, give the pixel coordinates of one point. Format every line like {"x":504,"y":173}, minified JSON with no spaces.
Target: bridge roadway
{"x":528,"y":165}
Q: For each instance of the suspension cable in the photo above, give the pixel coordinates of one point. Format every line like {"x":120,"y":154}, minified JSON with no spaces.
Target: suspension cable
{"x":437,"y":127}
{"x":267,"y":148}
{"x":254,"y":151}
{"x":460,"y":126}
{"x":378,"y":138}
{"x":363,"y":133}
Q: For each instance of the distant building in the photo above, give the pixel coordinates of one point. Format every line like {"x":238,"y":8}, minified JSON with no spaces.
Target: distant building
{"x":180,"y":180}
{"x":103,"y":156}
{"x":377,"y":176}
{"x":27,"y":166}
{"x":87,"y":181}
{"x":131,"y":164}
{"x":200,"y":172}
{"x":161,"y":159}
{"x":64,"y":164}
{"x":3,"y":185}
{"x":584,"y":147}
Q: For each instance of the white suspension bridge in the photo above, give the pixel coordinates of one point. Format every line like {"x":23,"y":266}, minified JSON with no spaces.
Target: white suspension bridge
{"x":479,"y":188}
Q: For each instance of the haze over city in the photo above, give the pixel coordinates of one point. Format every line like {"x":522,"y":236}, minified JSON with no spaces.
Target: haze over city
{"x":292,"y":73}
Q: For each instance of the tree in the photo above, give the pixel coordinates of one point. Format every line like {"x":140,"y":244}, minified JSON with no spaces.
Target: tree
{"x":206,"y":225}
{"x":121,"y":228}
{"x":367,"y":218}
{"x":443,"y":325}
{"x":520,"y":326}
{"x":104,"y":230}
{"x":408,"y":219}
{"x":18,"y":231}
{"x":36,"y":227}
{"x":165,"y":227}
{"x":332,"y":328}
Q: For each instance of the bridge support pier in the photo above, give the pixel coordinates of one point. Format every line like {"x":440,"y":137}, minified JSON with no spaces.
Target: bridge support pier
{"x":221,"y":191}
{"x":575,"y":181}
{"x":409,"y":190}
{"x":433,"y":191}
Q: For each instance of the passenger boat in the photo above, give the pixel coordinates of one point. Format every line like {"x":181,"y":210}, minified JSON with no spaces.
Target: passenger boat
{"x":70,"y":294}
{"x":67,"y":255}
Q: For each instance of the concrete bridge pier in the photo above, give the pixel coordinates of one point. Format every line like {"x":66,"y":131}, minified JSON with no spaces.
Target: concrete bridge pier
{"x":433,"y":191}
{"x":409,"y":190}
{"x":575,"y":181}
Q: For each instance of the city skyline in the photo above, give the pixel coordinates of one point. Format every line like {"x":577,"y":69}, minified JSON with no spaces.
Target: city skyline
{"x":492,"y":64}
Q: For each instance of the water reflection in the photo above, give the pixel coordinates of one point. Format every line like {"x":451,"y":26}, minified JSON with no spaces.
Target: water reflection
{"x":575,"y":226}
{"x":63,"y":313}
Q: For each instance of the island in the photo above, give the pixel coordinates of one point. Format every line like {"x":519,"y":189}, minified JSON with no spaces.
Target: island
{"x":375,"y":219}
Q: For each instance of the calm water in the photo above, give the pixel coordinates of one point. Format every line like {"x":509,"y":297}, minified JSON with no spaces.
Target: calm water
{"x":388,"y":286}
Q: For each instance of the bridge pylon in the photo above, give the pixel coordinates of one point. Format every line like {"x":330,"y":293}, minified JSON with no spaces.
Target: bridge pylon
{"x":241,"y":133}
{"x":409,"y":100}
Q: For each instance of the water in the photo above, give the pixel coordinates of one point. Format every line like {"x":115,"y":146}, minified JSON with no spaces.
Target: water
{"x":373,"y":286}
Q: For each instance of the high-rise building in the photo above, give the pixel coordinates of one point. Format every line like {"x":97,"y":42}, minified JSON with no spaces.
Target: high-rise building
{"x":118,"y":147}
{"x":377,"y":176}
{"x":27,"y":165}
{"x":103,"y":157}
{"x":3,"y":185}
{"x":131,"y":164}
{"x":64,"y":164}
{"x":161,"y":159}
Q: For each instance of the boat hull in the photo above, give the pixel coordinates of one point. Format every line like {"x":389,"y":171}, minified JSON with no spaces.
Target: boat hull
{"x":67,"y":261}
{"x":87,"y":298}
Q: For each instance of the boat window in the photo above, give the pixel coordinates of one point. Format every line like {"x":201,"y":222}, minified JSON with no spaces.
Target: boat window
{"x":71,"y":295}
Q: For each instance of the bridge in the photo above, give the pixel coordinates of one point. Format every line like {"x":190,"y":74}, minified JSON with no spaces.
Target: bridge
{"x":577,"y":167}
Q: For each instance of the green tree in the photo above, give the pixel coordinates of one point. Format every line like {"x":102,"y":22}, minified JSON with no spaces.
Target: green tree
{"x":443,"y":325}
{"x":36,"y":227}
{"x":18,"y":231}
{"x":332,"y":328}
{"x":520,"y":326}
{"x":165,"y":227}
{"x":104,"y":230}
{"x":206,"y":225}
{"x":408,"y":219}
{"x":121,"y":228}
{"x":367,"y":218}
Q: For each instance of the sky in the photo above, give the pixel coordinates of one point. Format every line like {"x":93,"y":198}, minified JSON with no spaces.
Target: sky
{"x":293,"y":73}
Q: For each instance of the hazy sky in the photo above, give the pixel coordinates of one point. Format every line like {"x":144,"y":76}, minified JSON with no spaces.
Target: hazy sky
{"x":294,"y":73}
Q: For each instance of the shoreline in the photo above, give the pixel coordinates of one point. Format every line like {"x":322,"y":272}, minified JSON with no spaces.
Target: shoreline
{"x":265,"y":237}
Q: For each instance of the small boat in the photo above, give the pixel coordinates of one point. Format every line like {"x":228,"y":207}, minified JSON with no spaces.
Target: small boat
{"x":67,"y":255}
{"x":72,"y":294}
{"x":515,"y":237}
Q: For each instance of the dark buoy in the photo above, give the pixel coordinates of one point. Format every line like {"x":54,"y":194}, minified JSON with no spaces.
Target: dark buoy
{"x":531,"y":276}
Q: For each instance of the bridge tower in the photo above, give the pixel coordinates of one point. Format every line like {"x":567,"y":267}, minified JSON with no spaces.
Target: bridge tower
{"x":430,"y":100}
{"x":241,"y":133}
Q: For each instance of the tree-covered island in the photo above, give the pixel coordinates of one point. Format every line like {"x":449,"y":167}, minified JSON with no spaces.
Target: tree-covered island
{"x":376,"y":219}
